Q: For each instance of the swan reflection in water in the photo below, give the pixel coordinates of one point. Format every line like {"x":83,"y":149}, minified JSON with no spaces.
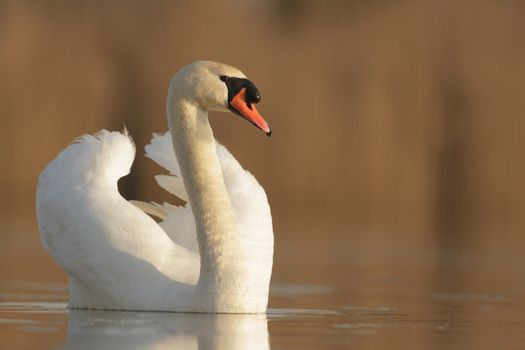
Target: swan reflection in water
{"x":92,"y":329}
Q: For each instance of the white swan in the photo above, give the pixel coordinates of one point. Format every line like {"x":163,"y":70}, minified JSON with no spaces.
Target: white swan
{"x":213,"y":255}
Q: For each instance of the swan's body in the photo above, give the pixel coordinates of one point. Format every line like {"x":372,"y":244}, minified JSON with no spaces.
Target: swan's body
{"x":213,"y":255}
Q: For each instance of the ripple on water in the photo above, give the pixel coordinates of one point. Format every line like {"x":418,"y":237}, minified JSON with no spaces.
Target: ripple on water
{"x":291,"y":313}
{"x":370,"y":309}
{"x":39,"y":308}
{"x":32,"y":297}
{"x":34,"y":307}
{"x":282,"y":289}
{"x":465,"y":296}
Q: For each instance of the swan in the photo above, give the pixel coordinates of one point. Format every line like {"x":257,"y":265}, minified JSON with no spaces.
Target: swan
{"x":212,"y":255}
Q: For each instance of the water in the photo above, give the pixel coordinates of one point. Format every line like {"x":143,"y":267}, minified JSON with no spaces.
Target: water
{"x":38,"y":317}
{"x":323,"y":296}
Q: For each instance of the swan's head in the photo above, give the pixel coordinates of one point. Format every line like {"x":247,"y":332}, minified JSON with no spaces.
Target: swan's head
{"x":216,"y":86}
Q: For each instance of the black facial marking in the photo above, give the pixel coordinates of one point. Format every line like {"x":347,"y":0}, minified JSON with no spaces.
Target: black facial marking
{"x":236,"y":84}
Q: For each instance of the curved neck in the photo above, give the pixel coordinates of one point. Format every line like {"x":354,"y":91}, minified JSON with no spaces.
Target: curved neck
{"x":196,"y":153}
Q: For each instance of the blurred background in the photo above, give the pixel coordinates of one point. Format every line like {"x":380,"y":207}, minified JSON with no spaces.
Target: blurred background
{"x":396,"y":123}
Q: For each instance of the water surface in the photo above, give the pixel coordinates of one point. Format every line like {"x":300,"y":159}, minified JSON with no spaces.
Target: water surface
{"x":358,"y":309}
{"x":362,"y":299}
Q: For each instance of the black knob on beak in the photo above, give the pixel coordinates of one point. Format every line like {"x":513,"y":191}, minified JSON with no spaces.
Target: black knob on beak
{"x":252,"y":94}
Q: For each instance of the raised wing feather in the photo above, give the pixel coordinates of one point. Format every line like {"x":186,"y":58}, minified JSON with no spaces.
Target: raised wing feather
{"x":114,"y":254}
{"x":160,"y":150}
{"x":248,"y":199}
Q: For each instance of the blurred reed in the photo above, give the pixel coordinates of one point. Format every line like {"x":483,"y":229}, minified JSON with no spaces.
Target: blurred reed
{"x":392,"y":120}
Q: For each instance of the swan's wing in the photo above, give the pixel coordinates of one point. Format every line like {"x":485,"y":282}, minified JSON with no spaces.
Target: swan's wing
{"x":248,"y":198}
{"x":253,"y":216}
{"x":160,"y":150}
{"x":249,"y":203}
{"x":115,"y":254}
{"x":177,"y":221}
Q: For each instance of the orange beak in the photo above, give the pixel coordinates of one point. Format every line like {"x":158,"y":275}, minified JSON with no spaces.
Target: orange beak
{"x":247,"y":111}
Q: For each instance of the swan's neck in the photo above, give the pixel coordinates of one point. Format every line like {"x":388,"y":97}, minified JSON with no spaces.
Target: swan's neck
{"x":196,"y":153}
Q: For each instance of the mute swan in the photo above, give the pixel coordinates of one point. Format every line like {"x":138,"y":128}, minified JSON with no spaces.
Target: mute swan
{"x":213,"y":255}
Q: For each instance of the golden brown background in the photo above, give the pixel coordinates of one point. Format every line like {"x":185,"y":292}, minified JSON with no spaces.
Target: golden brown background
{"x":394,"y":121}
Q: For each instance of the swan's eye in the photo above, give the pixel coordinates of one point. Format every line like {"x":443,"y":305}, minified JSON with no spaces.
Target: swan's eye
{"x":224,"y":78}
